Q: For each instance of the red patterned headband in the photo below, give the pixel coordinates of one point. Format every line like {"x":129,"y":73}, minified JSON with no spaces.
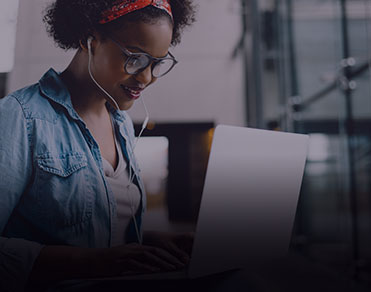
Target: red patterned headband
{"x":126,"y":6}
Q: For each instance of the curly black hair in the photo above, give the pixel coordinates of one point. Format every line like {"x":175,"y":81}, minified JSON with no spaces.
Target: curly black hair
{"x":70,"y":22}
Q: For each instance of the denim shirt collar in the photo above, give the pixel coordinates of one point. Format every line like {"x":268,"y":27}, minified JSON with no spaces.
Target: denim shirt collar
{"x":53,"y":88}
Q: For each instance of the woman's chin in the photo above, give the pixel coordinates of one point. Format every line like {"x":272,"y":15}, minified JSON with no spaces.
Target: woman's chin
{"x":125,"y":105}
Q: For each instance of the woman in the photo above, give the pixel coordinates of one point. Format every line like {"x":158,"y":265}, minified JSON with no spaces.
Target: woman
{"x":71,"y":197}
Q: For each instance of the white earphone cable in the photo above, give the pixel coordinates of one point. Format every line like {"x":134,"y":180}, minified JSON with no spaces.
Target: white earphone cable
{"x":92,"y":77}
{"x":144,"y":125}
{"x":132,"y":175}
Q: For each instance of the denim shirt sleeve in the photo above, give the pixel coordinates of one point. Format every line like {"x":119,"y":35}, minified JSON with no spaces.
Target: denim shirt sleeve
{"x":16,"y":260}
{"x":16,"y":255}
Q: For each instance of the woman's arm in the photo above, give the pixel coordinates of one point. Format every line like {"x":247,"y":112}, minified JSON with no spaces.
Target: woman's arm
{"x":57,"y":263}
{"x":16,"y":255}
{"x":16,"y":260}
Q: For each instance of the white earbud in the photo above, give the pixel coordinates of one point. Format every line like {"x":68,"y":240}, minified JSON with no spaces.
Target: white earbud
{"x":90,"y":39}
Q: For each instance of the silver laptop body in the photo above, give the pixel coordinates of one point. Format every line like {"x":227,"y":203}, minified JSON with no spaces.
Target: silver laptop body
{"x":249,"y":199}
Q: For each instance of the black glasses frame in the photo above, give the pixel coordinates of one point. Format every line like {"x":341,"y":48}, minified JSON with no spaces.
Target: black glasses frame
{"x":152,"y":60}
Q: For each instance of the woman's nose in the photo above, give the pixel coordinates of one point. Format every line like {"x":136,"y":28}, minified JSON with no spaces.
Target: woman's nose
{"x":145,"y":77}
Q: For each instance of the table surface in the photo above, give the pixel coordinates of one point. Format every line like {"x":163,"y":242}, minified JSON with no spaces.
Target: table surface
{"x":293,"y":273}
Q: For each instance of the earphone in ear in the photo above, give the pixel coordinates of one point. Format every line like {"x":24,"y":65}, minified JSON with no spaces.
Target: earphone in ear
{"x":90,"y":39}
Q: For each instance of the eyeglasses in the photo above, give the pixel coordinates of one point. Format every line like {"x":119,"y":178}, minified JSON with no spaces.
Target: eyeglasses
{"x":138,"y":62}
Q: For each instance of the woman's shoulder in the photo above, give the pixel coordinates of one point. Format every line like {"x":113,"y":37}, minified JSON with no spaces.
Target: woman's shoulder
{"x":15,"y":115}
{"x":20,"y":100}
{"x":31,"y":100}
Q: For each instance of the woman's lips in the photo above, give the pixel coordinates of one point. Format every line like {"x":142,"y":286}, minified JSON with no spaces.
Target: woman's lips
{"x":132,"y":92}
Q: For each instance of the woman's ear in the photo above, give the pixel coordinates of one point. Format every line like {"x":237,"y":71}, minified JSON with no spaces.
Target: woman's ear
{"x":83,"y":46}
{"x":88,"y":45}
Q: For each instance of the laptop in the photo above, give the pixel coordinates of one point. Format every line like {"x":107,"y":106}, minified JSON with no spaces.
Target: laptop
{"x":249,"y":201}
{"x":248,"y":204}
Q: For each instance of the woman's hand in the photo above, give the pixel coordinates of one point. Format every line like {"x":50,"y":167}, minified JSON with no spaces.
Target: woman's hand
{"x":177,"y":244}
{"x":136,"y":259}
{"x":57,"y":263}
{"x":161,"y":251}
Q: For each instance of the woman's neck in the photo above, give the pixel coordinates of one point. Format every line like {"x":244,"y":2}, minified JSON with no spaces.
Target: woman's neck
{"x":86,"y":98}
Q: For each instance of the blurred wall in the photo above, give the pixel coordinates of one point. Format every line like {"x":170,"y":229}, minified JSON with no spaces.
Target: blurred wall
{"x":35,"y":53}
{"x":205,"y":86}
{"x":8,"y":23}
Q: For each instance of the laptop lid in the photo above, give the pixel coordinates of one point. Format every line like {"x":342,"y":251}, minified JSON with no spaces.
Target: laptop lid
{"x":249,"y":199}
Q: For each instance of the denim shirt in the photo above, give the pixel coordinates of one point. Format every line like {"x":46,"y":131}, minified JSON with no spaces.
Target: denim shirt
{"x":52,"y":188}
